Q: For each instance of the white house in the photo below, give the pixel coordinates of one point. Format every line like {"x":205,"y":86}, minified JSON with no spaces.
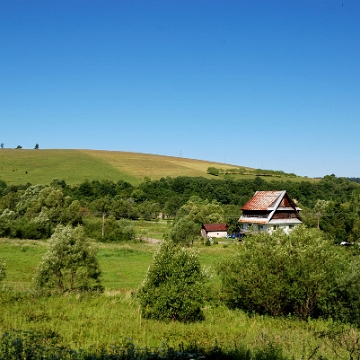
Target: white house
{"x":268,"y":211}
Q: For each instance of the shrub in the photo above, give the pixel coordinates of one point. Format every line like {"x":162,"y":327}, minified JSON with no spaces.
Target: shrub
{"x":174,"y":286}
{"x":213,"y":171}
{"x":48,"y":345}
{"x":283,"y":274}
{"x":70,"y":262}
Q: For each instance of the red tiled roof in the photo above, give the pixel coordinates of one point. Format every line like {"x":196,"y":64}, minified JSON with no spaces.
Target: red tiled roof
{"x":262,"y":200}
{"x":215,"y":227}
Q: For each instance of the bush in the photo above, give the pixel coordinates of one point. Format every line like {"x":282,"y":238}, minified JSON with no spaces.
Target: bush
{"x":213,"y":171}
{"x":115,"y":230}
{"x":70,"y":262}
{"x":283,"y":274}
{"x":349,"y":294}
{"x":22,"y":228}
{"x":174,"y":285}
{"x":48,"y":345}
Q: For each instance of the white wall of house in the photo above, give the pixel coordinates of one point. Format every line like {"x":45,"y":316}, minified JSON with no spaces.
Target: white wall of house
{"x":216,"y":234}
{"x":254,"y":227}
{"x":287,"y":228}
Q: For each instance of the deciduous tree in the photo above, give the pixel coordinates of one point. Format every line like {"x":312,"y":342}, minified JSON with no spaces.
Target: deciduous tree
{"x":70,"y":262}
{"x":187,"y":223}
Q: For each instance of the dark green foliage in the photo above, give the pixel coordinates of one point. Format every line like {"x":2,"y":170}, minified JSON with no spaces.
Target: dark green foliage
{"x":97,"y":189}
{"x":174,"y":286}
{"x":213,"y":171}
{"x":348,"y":291}
{"x":2,"y":187}
{"x":22,"y":228}
{"x":337,"y":222}
{"x":149,"y":210}
{"x":31,"y":345}
{"x":114,"y":230}
{"x":47,"y":345}
{"x":301,"y":274}
{"x":123,"y":209}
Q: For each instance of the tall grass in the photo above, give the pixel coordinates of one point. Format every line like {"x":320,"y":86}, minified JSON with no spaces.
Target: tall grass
{"x":86,"y":320}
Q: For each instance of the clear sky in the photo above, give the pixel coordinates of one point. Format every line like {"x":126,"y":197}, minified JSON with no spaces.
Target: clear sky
{"x":265,"y":84}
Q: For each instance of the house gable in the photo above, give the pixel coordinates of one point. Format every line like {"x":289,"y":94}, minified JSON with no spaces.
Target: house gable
{"x":270,"y":208}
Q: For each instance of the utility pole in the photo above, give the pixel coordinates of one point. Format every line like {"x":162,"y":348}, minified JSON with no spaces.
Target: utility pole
{"x":103,"y":224}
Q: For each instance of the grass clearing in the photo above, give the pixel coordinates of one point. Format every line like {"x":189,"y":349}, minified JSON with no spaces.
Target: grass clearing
{"x":151,"y":229}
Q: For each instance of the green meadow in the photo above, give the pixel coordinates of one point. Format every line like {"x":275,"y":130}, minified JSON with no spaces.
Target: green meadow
{"x":85,"y":320}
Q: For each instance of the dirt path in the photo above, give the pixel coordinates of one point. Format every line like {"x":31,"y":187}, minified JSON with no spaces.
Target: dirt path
{"x":151,"y":240}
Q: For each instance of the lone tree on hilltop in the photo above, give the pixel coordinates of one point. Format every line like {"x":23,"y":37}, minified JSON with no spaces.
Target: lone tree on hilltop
{"x":174,"y":286}
{"x":70,"y":262}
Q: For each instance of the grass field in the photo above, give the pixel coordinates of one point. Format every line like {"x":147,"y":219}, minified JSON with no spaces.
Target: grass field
{"x":20,"y":166}
{"x":85,"y":320}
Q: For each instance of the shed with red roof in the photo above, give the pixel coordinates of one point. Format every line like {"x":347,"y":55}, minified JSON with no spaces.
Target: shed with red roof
{"x":214,"y":230}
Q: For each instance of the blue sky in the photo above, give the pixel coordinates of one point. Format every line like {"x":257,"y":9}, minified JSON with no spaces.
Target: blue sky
{"x":265,"y":84}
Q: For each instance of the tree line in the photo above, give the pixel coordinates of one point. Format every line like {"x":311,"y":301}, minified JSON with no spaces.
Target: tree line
{"x":33,"y":211}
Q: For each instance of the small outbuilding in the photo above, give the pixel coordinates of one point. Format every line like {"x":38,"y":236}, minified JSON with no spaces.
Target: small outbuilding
{"x":214,"y":230}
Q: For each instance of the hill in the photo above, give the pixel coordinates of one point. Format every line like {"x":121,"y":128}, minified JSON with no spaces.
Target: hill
{"x":20,"y":166}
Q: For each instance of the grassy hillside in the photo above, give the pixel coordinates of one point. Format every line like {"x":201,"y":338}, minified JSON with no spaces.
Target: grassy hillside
{"x":20,"y":166}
